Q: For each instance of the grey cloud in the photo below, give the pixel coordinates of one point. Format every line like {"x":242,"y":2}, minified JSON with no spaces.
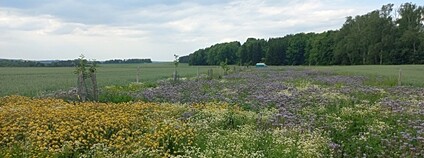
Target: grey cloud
{"x":158,"y":29}
{"x":108,"y":12}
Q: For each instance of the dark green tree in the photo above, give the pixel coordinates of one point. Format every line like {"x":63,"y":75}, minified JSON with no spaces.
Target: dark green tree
{"x":372,"y":38}
{"x":410,"y":29}
{"x":275,"y":54}
{"x":252,"y":51}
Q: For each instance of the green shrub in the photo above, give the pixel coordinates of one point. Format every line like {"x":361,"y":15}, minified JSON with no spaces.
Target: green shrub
{"x":115,"y":97}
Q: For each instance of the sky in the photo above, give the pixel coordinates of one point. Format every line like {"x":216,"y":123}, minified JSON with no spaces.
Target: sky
{"x":158,"y":29}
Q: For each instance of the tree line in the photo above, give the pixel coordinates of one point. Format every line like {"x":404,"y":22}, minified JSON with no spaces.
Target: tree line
{"x":383,"y":36}
{"x":64,"y":63}
{"x":28,"y":63}
{"x":127,"y":61}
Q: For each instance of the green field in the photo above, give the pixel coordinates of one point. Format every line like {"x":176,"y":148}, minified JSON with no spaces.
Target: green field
{"x":31,"y":81}
{"x":279,"y":111}
{"x":412,"y":75}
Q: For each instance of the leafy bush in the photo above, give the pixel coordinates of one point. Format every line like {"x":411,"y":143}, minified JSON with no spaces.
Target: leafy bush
{"x":121,"y":94}
{"x":115,"y":97}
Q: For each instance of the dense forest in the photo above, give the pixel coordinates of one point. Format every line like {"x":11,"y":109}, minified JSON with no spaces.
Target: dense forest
{"x":64,"y":63}
{"x":19,"y":63}
{"x":384,"y":36}
{"x":127,"y":61}
{"x":28,"y":63}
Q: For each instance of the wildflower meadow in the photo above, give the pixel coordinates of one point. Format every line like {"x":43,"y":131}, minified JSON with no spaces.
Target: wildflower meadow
{"x":270,"y":112}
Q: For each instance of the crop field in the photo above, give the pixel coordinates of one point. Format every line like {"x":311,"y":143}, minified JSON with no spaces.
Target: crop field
{"x":32,"y":81}
{"x":269,"y":112}
{"x":411,"y":75}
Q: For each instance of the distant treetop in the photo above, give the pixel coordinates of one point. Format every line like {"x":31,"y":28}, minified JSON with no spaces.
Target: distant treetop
{"x":127,"y":61}
{"x":382,"y":36}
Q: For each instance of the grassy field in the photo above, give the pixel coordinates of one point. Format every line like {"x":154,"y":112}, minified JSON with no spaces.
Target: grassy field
{"x":412,"y":75}
{"x":275,"y":112}
{"x":30,"y":81}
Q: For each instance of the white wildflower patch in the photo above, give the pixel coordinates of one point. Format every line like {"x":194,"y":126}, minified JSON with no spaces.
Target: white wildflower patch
{"x":335,"y":96}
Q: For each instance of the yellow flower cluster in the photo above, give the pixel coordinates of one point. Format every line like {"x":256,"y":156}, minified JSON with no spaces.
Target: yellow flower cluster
{"x":54,"y":128}
{"x":51,"y":125}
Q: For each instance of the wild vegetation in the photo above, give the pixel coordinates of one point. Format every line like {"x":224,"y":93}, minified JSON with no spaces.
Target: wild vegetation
{"x":384,"y":36}
{"x":35,"y":81}
{"x":175,"y":110}
{"x":272,"y":112}
{"x":127,"y":61}
{"x":64,"y":63}
{"x":411,"y":75}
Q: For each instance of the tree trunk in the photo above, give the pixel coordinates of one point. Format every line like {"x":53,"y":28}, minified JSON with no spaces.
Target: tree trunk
{"x":415,"y":52}
{"x":175,"y":76}
{"x":381,"y":58}
{"x":81,"y":88}
{"x":363,"y":58}
{"x":95,"y":89}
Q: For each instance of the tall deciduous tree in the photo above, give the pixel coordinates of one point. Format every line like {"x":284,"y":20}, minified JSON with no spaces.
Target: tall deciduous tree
{"x":252,"y":51}
{"x":276,"y":51}
{"x":409,"y":30}
{"x":372,"y":38}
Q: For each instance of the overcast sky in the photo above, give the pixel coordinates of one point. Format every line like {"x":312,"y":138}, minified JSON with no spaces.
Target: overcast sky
{"x":157,"y":29}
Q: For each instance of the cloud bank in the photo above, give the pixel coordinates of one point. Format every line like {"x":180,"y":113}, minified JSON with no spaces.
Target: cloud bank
{"x":47,"y":29}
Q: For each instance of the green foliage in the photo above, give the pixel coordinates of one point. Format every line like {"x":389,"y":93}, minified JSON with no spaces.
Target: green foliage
{"x":114,"y":97}
{"x":184,"y":59}
{"x":27,"y":63}
{"x":85,"y":70}
{"x":374,"y":38}
{"x":358,"y":128}
{"x":232,"y":132}
{"x":215,"y":54}
{"x":321,"y":48}
{"x":121,"y":94}
{"x":127,"y":61}
{"x":225,"y":66}
{"x":176,"y":60}
{"x":381,"y":75}
{"x":252,"y":51}
{"x":82,"y":66}
{"x":296,"y":49}
{"x":380,"y":81}
{"x":19,"y":63}
{"x":354,"y":122}
{"x":276,"y":51}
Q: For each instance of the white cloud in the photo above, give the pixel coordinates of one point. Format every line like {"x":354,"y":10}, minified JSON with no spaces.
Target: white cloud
{"x":157,"y":30}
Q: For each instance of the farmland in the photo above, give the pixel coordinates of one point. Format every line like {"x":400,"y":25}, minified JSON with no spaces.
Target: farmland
{"x":31,"y":81}
{"x":272,"y":112}
{"x":412,"y":75}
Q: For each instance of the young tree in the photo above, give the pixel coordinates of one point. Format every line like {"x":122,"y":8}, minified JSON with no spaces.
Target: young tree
{"x":225,"y":66}
{"x":81,"y":71}
{"x":176,"y":62}
{"x":92,"y":70}
{"x":86,"y":70}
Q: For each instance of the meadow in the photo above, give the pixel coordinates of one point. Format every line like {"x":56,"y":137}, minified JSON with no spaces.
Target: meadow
{"x":33,"y":81}
{"x":412,"y":75}
{"x":267,"y":112}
